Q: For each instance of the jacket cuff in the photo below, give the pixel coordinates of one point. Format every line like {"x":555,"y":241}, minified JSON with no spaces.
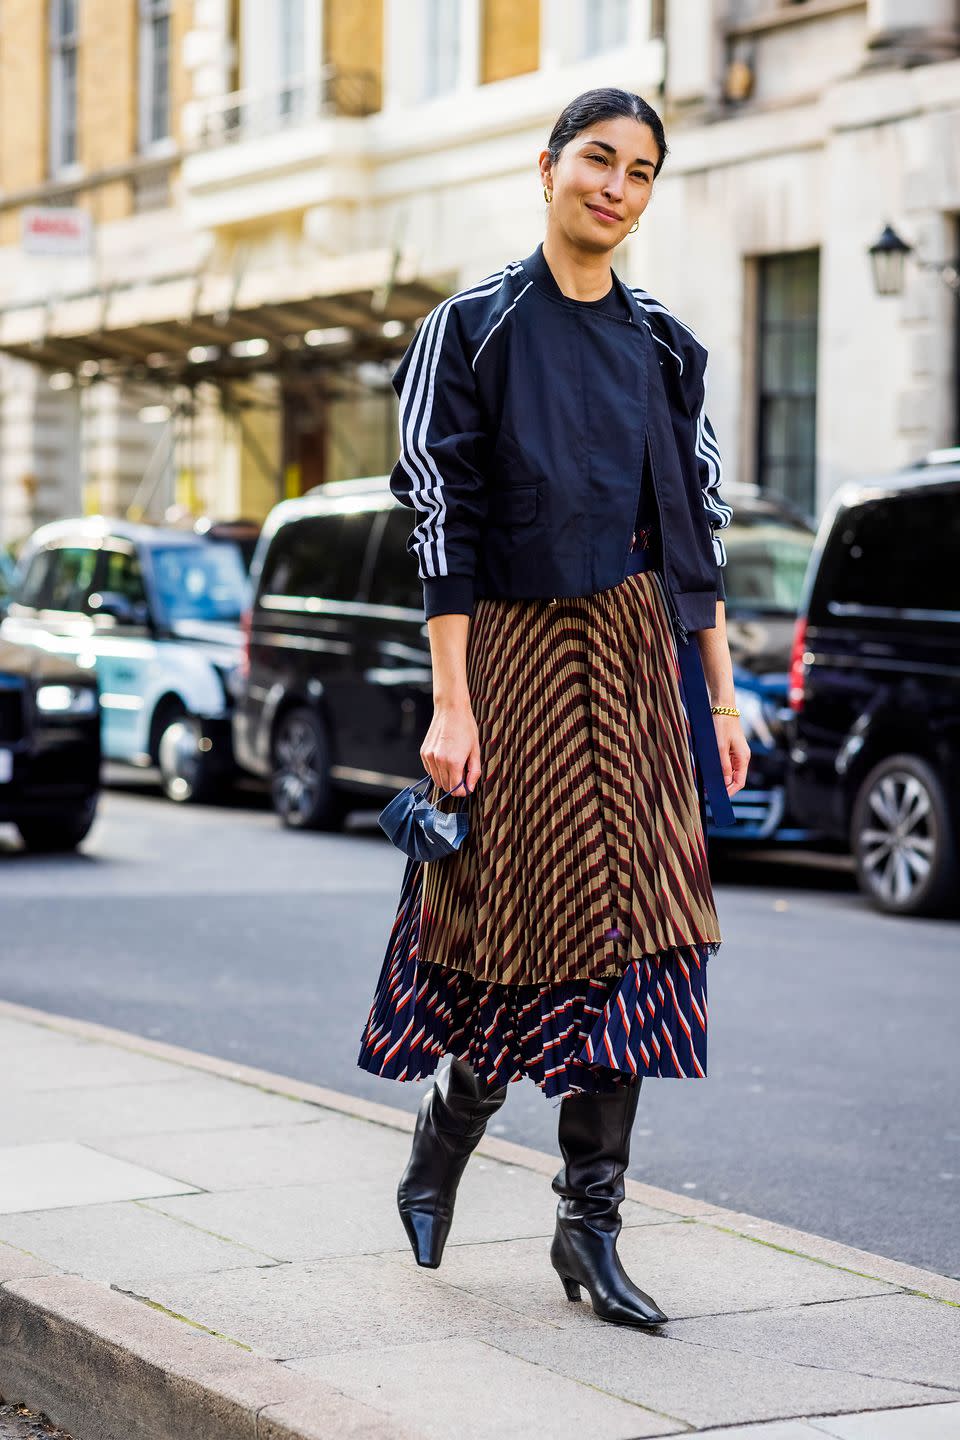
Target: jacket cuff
{"x":721,"y":588}
{"x":447,"y":595}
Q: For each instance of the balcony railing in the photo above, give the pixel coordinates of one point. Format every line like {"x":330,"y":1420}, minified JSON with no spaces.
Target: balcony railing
{"x":246,"y":114}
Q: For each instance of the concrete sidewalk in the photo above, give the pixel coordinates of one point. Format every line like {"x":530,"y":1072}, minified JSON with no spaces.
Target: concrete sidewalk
{"x":181,"y":1258}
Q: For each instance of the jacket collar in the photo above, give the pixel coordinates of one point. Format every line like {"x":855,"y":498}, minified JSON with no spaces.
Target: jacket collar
{"x":536,"y":268}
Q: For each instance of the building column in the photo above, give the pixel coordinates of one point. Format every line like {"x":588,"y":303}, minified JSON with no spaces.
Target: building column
{"x":40,"y":455}
{"x":692,"y":50}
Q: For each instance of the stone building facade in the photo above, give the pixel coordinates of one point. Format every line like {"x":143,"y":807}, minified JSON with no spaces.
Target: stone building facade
{"x":327,"y":167}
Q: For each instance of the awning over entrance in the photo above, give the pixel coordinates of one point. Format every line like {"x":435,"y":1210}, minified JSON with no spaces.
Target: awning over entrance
{"x":190,"y":327}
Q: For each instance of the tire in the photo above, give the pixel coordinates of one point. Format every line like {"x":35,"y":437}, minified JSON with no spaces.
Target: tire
{"x":304,"y":796}
{"x":187,"y":773}
{"x":50,"y":835}
{"x":902,"y":838}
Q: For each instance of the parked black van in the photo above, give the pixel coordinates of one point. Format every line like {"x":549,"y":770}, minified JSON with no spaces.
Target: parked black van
{"x":337,"y":692}
{"x":875,"y":685}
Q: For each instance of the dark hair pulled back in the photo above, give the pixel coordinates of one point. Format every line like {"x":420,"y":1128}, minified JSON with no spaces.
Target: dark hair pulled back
{"x":604,"y":104}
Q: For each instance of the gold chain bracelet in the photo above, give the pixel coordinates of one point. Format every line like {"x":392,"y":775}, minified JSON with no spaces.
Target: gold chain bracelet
{"x":724,"y":710}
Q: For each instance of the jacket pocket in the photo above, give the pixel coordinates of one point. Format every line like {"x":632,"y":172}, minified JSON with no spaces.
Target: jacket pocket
{"x":514,"y":506}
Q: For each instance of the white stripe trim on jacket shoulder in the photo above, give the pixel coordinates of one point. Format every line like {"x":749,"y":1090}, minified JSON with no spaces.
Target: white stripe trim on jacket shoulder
{"x":419,"y":384}
{"x":706,"y":447}
{"x":473,"y":364}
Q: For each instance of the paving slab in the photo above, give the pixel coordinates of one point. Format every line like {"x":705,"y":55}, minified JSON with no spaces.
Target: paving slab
{"x":689,"y":1268}
{"x":54,"y":1174}
{"x":327,"y":1306}
{"x":896,"y":1336}
{"x":932,"y":1422}
{"x":478,"y":1391}
{"x":60,"y":1062}
{"x":257,"y":1156}
{"x":131,"y":1243}
{"x":706,"y":1385}
{"x":881,"y":1267}
{"x":16,"y":1264}
{"x":307,"y":1222}
{"x":205,"y":1103}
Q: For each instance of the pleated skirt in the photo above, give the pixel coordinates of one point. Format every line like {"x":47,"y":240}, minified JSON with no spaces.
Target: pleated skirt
{"x":567,"y":939}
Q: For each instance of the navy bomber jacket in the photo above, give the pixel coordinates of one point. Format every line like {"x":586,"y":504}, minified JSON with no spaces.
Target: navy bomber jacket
{"x":527,"y":421}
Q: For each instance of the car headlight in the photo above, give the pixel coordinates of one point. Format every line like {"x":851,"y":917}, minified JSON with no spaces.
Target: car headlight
{"x":67,"y":700}
{"x":752,"y":718}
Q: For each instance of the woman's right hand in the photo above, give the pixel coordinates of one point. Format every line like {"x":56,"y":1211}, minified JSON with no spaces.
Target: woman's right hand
{"x":451,"y":743}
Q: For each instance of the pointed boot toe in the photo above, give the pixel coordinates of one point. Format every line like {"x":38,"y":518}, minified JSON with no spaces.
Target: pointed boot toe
{"x":630,"y":1307}
{"x":451,"y":1120}
{"x":427,"y":1234}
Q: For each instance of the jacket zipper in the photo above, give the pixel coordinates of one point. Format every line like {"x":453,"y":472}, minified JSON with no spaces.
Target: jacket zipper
{"x":679,"y":626}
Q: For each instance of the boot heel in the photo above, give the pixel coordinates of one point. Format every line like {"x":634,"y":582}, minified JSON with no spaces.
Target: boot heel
{"x":571,"y":1286}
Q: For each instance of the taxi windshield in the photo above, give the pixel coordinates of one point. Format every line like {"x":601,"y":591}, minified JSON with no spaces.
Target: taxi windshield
{"x":201,"y":582}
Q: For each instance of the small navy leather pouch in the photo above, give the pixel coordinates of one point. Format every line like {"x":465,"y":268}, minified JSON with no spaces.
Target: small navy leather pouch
{"x":418,"y":828}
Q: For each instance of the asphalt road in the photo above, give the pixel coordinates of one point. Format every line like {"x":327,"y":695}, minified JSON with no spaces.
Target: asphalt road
{"x":831,"y":1101}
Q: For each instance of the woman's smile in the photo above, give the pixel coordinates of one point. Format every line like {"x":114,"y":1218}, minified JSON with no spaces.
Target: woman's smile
{"x":608,"y":216}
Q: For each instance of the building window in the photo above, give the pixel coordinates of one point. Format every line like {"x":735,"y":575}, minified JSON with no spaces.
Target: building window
{"x":441,"y":50}
{"x":291,"y":54}
{"x":64,"y":42}
{"x":154,"y":71}
{"x":605,"y":25}
{"x":787,"y":377}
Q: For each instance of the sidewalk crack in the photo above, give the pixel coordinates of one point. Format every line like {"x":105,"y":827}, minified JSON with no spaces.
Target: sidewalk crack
{"x":184,"y":1319}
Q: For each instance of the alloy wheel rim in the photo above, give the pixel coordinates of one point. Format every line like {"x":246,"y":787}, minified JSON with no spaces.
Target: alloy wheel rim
{"x":897,"y":845}
{"x":296,"y":781}
{"x":180,"y":759}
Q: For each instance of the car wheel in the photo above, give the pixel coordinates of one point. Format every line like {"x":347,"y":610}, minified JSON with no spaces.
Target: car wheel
{"x":53,"y":834}
{"x":902,"y":838}
{"x":304,"y":796}
{"x":186,"y":770}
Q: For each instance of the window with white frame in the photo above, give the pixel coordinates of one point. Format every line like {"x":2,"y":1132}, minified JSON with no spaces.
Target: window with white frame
{"x":606,"y":25}
{"x":291,"y":57}
{"x":154,"y":71}
{"x":441,"y":46}
{"x":64,"y":45}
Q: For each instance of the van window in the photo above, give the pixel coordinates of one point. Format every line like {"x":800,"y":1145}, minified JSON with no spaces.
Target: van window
{"x":395,"y":580}
{"x":896,"y":553}
{"x":122,"y":576}
{"x":320,"y":555}
{"x":31,"y":584}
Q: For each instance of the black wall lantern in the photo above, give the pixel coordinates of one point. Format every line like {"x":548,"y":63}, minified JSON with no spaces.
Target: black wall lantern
{"x":887,"y":257}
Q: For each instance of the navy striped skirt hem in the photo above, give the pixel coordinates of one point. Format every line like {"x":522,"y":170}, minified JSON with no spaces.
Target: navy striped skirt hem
{"x":577,"y":1035}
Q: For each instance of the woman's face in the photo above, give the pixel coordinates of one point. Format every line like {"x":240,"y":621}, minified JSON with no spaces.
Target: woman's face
{"x":601,"y":182}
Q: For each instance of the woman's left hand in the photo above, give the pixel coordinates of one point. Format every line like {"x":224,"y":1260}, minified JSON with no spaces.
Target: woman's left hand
{"x":734,"y":752}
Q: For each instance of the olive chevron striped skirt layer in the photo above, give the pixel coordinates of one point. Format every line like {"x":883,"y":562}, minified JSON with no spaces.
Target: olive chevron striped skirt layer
{"x":567,"y":939}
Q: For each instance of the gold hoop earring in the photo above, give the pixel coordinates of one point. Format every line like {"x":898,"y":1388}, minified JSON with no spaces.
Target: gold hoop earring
{"x":635,"y":226}
{"x":546,"y":196}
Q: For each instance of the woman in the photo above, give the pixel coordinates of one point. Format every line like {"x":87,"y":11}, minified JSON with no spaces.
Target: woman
{"x":566,"y":478}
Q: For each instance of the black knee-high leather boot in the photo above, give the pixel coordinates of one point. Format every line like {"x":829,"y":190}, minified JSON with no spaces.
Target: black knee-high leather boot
{"x":594,"y":1134}
{"x":451,"y":1120}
